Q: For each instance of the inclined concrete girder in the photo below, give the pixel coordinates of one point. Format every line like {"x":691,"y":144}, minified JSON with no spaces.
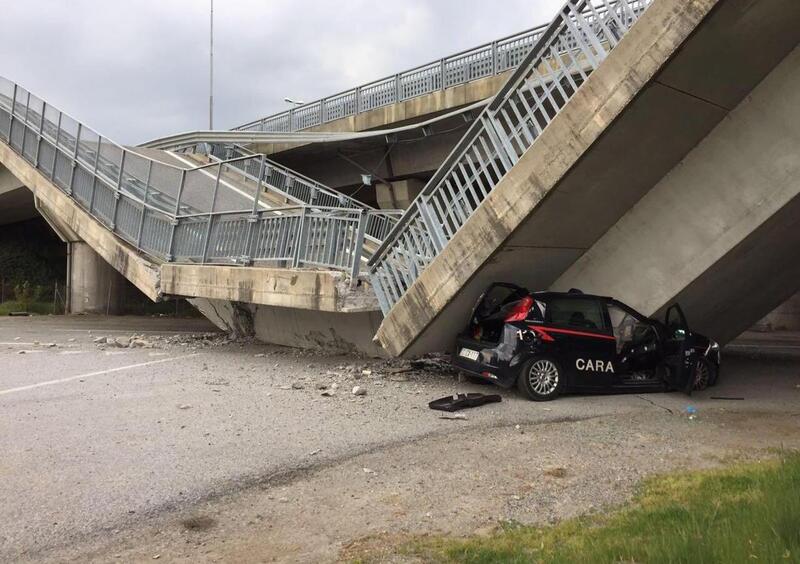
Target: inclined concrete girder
{"x":635,"y":118}
{"x":16,"y":201}
{"x":718,"y":233}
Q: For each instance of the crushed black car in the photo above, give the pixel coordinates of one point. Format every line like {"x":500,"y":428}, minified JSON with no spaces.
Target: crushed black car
{"x":548,"y":343}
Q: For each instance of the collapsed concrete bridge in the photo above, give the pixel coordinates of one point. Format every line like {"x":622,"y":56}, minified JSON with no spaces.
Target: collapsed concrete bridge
{"x":639,"y":148}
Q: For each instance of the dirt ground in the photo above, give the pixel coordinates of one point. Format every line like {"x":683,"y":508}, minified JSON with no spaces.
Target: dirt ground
{"x":194,"y":449}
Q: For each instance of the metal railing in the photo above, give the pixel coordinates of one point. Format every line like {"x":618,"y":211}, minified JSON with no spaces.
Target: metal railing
{"x":575,"y":43}
{"x":301,"y":189}
{"x":486,"y":60}
{"x":172,"y":213}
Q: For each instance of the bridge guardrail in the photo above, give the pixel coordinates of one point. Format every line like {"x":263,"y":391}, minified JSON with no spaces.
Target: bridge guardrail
{"x":574,"y":44}
{"x":303,"y":190}
{"x":479,"y":62}
{"x":172,"y":213}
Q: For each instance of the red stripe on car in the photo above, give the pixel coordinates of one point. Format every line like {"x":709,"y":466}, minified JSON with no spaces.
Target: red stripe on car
{"x":546,"y":330}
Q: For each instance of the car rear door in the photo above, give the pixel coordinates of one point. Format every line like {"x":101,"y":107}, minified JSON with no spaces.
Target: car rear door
{"x":679,"y":354}
{"x":583,"y":338}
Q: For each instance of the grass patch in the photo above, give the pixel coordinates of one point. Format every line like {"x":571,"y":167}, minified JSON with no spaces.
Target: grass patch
{"x":38,"y":308}
{"x":743,"y":513}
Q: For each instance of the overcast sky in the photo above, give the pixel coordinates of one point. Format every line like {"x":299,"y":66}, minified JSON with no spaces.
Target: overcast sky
{"x":138,"y":69}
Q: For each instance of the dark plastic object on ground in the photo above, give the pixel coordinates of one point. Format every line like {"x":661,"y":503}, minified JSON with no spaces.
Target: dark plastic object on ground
{"x":463,"y":401}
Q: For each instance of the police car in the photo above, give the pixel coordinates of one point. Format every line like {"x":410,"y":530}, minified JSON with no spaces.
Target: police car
{"x":548,"y":343}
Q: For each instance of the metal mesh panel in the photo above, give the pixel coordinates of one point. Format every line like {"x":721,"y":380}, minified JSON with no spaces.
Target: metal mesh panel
{"x":67,"y":134}
{"x":190,"y":235}
{"x":46,"y":156}
{"x":88,"y":145}
{"x":129,"y":217}
{"x":275,"y":237}
{"x":6,"y":94}
{"x":21,"y":103}
{"x":156,"y":233}
{"x":340,"y":106}
{"x":63,"y":171}
{"x":5,"y":123}
{"x":82,"y":185}
{"x":420,"y":82}
{"x":50,"y":128}
{"x":17,"y":134}
{"x":227,"y":236}
{"x":377,"y":95}
{"x":134,"y":175}
{"x":104,"y":202}
{"x":306,"y":116}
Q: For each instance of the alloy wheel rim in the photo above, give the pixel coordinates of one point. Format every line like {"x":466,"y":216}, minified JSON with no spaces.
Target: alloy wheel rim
{"x":543,"y":377}
{"x":701,"y":376}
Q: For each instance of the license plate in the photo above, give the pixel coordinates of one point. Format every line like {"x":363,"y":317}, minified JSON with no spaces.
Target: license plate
{"x":469,"y":353}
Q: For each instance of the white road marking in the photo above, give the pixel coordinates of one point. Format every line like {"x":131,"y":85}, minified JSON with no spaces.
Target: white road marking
{"x":90,"y":374}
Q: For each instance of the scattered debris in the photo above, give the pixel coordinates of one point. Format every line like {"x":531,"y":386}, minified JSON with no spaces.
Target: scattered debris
{"x":297,"y":386}
{"x":184,"y":406}
{"x":726,"y":398}
{"x":368,"y":471}
{"x":359,"y":391}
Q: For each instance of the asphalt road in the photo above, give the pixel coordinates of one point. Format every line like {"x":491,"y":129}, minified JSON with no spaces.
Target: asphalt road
{"x":96,"y":438}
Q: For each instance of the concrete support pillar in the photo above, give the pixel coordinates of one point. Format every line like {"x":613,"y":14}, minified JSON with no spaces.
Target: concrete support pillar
{"x":399,"y":194}
{"x":94,"y":285}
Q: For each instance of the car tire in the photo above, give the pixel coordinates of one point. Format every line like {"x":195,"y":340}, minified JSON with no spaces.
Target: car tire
{"x":541,"y":379}
{"x":705,"y":375}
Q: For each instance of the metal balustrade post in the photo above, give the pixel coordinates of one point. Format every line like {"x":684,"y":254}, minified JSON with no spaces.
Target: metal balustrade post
{"x":398,"y":95}
{"x":443,"y":74}
{"x":252,"y":222}
{"x":300,"y":239}
{"x":494,"y":58}
{"x":27,"y":121}
{"x":75,"y":163}
{"x":144,"y":205}
{"x":175,"y":221}
{"x":358,"y":101}
{"x":207,"y":236}
{"x":323,"y":109}
{"x":39,"y":136}
{"x":94,"y":172}
{"x":55,"y":148}
{"x":11,"y":115}
{"x":118,"y":191}
{"x":358,"y":250}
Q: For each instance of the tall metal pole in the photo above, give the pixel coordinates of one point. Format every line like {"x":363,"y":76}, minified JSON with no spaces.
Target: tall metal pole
{"x":211,"y":72}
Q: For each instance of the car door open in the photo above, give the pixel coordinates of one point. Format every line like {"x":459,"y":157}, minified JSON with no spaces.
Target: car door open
{"x":679,"y":355}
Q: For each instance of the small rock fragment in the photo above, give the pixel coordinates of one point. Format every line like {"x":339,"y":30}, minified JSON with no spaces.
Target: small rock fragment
{"x":359,"y":391}
{"x":458,"y":416}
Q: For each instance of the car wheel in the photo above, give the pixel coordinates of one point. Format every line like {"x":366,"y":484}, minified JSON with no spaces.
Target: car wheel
{"x":703,"y":375}
{"x":541,"y":379}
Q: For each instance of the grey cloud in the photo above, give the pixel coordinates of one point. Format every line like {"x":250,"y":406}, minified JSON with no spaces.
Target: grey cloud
{"x":138,"y":69}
